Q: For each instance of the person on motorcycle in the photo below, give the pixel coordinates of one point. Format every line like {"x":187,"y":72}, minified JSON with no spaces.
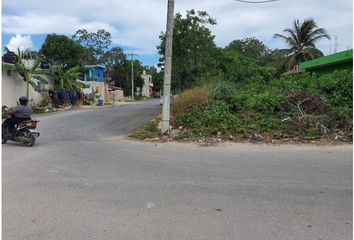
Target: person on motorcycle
{"x":19,"y":114}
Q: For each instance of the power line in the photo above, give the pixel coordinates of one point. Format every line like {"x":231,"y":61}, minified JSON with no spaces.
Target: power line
{"x":264,"y":1}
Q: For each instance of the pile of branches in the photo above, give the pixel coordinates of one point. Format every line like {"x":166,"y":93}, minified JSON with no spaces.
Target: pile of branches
{"x":312,"y":112}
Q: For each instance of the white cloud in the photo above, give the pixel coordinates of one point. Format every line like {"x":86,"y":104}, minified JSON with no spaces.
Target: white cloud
{"x":137,"y":23}
{"x":19,"y":42}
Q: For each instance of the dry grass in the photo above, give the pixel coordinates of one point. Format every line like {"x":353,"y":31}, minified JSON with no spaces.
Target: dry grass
{"x":189,"y":100}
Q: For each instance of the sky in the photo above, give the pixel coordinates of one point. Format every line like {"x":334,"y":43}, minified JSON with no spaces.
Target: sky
{"x":135,"y":25}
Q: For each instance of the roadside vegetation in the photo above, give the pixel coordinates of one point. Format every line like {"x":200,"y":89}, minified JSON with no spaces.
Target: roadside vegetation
{"x":301,"y":107}
{"x":239,"y":92}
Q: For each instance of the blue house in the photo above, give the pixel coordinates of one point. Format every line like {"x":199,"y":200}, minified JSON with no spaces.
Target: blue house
{"x":94,"y":73}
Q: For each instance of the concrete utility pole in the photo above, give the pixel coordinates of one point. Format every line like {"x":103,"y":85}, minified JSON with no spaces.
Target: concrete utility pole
{"x":167,"y":70}
{"x":132,"y":76}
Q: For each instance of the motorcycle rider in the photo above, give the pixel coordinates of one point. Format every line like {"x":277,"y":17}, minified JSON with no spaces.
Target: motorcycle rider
{"x":19,"y":114}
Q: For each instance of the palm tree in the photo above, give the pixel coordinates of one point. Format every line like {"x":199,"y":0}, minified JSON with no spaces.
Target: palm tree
{"x":301,"y":41}
{"x":29,"y":73}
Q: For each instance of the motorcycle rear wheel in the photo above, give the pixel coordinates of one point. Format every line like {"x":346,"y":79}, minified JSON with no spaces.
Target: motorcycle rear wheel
{"x":31,"y":141}
{"x":4,"y":139}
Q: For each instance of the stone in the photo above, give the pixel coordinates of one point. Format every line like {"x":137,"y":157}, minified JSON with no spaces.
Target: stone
{"x":174,"y":133}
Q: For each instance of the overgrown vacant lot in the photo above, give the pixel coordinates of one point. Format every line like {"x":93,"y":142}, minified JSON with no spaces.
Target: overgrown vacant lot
{"x":297,"y":108}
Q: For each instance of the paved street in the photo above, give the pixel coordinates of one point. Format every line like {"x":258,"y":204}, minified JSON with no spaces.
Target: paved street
{"x":83,"y":180}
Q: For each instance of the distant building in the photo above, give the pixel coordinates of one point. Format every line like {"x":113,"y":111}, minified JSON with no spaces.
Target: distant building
{"x":13,"y":86}
{"x":94,"y":77}
{"x":147,"y":88}
{"x":94,"y":73}
{"x":330,"y":63}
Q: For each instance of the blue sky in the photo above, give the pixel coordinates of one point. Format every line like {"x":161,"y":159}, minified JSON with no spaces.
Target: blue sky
{"x":136,"y":24}
{"x":38,"y":39}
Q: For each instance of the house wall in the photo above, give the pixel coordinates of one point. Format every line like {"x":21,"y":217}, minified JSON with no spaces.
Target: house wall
{"x":147,"y":85}
{"x":13,"y":87}
{"x":94,"y":74}
{"x":97,"y":86}
{"x":116,"y":95}
{"x":98,"y":74}
{"x":331,"y":68}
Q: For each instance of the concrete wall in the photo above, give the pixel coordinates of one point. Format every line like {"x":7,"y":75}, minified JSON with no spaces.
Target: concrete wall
{"x":99,"y":86}
{"x":13,"y":87}
{"x":116,"y":95}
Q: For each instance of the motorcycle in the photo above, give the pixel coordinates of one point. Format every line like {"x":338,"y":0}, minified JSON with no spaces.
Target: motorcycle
{"x":24,"y":132}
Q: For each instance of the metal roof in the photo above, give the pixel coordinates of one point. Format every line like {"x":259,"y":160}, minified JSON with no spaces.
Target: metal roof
{"x":93,"y":66}
{"x":345,"y":56}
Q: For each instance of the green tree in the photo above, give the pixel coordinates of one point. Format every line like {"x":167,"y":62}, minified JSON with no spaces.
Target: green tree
{"x":115,"y":57}
{"x":120,"y":76}
{"x":95,"y":44}
{"x":301,"y":39}
{"x":251,"y":48}
{"x":29,"y":73}
{"x":193,"y":49}
{"x":238,"y":68}
{"x":62,"y":50}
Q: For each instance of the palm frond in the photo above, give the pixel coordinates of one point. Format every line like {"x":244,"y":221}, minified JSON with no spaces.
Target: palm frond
{"x":34,"y":85}
{"x":277,"y":35}
{"x":314,"y":52}
{"x":293,"y":36}
{"x":36,"y":63}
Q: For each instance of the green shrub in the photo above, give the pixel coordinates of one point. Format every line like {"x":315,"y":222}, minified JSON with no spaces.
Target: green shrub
{"x":338,"y":88}
{"x":152,"y":126}
{"x":45,"y":100}
{"x":149,"y":130}
{"x":312,"y":132}
{"x":302,"y":81}
{"x":224,"y":91}
{"x":216,"y":117}
{"x":299,"y":106}
{"x":267,"y":103}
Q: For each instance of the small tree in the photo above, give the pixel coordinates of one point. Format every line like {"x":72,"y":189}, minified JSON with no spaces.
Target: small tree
{"x":29,"y":73}
{"x":65,"y":78}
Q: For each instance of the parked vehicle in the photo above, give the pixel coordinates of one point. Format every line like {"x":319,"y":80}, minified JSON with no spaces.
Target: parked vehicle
{"x":24,"y":132}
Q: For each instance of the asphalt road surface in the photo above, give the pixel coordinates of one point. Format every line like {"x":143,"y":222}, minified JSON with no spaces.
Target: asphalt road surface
{"x":83,"y":180}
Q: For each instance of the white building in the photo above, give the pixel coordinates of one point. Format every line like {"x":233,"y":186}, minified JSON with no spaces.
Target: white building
{"x":147,"y":88}
{"x":13,"y":86}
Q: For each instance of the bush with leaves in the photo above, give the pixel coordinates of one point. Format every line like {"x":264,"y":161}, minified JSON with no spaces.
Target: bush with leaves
{"x":300,"y":106}
{"x":338,"y":88}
